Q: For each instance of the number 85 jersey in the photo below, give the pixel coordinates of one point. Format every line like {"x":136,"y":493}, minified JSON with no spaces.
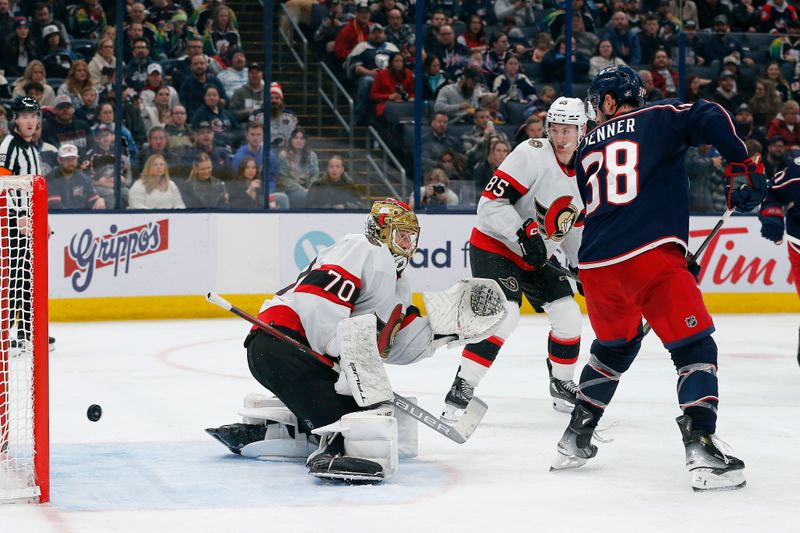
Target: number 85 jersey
{"x":530,"y":183}
{"x":630,"y":170}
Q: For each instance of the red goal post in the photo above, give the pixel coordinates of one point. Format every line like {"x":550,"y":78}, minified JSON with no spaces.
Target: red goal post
{"x":24,"y":405}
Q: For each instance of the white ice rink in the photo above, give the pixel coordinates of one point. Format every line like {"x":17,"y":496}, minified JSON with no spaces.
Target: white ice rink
{"x":147,"y":465}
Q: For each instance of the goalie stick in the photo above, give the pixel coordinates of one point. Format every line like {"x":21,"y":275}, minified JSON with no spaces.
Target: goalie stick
{"x":693,"y":261}
{"x":459,"y":432}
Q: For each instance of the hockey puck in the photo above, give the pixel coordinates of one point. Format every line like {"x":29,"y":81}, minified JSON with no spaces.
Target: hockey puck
{"x":94,"y":412}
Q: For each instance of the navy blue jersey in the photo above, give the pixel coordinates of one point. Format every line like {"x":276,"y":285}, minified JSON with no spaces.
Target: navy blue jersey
{"x":630,"y":171}
{"x":784,"y":190}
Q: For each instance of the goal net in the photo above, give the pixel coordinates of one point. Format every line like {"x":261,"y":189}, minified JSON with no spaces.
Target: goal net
{"x":24,"y":446}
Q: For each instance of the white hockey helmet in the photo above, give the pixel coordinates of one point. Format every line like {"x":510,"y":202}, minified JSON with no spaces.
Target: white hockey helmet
{"x":567,"y":111}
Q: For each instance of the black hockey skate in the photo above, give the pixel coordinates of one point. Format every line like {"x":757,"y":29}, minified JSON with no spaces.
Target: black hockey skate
{"x":350,"y":470}
{"x":576,"y":447}
{"x":711,"y":468}
{"x":563,"y":393}
{"x":237,"y":436}
{"x":457,"y":399}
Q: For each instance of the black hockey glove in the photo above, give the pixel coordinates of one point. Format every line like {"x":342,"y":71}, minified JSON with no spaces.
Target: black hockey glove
{"x":534,"y":251}
{"x":578,"y":284}
{"x":771,"y":218}
{"x":745,"y":195}
{"x":693,"y":266}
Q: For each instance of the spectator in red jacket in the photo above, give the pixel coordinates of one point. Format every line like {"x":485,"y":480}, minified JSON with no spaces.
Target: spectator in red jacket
{"x":665,"y":79}
{"x":775,"y":16}
{"x":354,"y":32}
{"x":787,"y":125}
{"x":395,"y":83}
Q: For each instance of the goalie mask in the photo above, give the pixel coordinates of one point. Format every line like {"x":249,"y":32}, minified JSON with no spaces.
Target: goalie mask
{"x":394,"y":224}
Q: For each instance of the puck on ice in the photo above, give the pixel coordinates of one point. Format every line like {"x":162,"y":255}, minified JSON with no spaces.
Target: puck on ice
{"x":94,"y":412}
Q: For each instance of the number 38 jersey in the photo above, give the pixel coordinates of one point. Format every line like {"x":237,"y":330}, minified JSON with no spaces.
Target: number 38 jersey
{"x":352,"y":277}
{"x":530,"y":183}
{"x":630,"y":170}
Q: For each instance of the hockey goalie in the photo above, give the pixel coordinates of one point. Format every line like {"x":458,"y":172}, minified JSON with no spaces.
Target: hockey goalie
{"x":353,"y":305}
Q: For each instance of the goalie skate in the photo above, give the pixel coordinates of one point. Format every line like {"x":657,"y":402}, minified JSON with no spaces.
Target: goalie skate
{"x":457,"y":399}
{"x":563,"y":393}
{"x":576,"y":447}
{"x":351,"y":470}
{"x":237,"y":436}
{"x":711,"y":468}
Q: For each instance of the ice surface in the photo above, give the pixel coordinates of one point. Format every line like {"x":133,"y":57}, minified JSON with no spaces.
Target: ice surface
{"x":147,"y":465}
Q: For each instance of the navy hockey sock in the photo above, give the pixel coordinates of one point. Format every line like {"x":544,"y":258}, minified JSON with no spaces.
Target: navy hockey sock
{"x":698,"y":393}
{"x":601,"y":374}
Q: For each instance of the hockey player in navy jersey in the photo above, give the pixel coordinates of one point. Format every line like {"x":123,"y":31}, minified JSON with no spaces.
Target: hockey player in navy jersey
{"x":783,"y":204}
{"x":529,"y":208}
{"x":630,"y":169}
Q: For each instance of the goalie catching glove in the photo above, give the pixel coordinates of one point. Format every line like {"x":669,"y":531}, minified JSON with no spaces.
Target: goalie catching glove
{"x":468,"y":312}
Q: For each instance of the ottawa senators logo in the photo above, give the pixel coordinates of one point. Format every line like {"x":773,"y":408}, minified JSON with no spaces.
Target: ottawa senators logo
{"x":535,"y":143}
{"x":556,"y":221}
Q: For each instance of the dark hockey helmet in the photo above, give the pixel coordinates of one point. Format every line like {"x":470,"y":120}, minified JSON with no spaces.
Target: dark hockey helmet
{"x":24,"y":104}
{"x":621,"y":81}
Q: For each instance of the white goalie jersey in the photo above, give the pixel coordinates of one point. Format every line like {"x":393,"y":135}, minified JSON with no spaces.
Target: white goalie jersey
{"x":530,"y":183}
{"x":352,"y":277}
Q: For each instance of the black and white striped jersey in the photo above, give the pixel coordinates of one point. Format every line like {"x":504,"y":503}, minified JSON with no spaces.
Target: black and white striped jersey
{"x":19,"y":156}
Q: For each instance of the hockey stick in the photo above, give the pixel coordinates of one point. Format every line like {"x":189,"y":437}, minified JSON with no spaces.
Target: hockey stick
{"x":459,"y":432}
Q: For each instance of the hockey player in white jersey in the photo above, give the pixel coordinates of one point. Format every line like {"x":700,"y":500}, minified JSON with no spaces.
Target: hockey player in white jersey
{"x":530,"y":207}
{"x":351,"y":300}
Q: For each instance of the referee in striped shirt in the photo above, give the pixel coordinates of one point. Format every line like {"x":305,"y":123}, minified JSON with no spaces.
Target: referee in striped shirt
{"x":18,"y":157}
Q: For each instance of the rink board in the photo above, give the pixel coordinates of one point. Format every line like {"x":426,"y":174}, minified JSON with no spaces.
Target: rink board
{"x":113,"y":266}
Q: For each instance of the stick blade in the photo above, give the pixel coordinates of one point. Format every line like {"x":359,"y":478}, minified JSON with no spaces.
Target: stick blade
{"x":473,"y":414}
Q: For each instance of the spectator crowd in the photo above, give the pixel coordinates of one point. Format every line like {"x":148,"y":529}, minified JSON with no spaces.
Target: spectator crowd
{"x":193,"y":102}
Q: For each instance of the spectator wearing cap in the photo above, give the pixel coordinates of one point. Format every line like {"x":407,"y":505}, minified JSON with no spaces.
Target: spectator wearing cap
{"x":57,"y":58}
{"x":787,"y":125}
{"x":626,"y":45}
{"x":746,"y":128}
{"x":775,"y":16}
{"x":249,"y":98}
{"x":102,"y":155}
{"x":225,"y":126}
{"x":695,"y":47}
{"x":221,"y":34}
{"x":354,"y":32}
{"x":709,"y":10}
{"x":282,"y":122}
{"x":204,"y":142}
{"x":63,"y":128}
{"x":453,"y":55}
{"x":459,"y":100}
{"x":521,"y":11}
{"x":721,"y":44}
{"x":68,"y":187}
{"x":6,"y":19}
{"x":777,"y":158}
{"x":727,"y":95}
{"x":42,"y":18}
{"x":155,"y":81}
{"x":745,"y":17}
{"x":235,"y":75}
{"x":19,"y":48}
{"x":395,"y":83}
{"x":103,"y":59}
{"x":192,"y":90}
{"x":665,"y":78}
{"x":553,"y":64}
{"x":363,"y":64}
{"x":137,"y":69}
{"x":90,"y":20}
{"x":178,"y":35}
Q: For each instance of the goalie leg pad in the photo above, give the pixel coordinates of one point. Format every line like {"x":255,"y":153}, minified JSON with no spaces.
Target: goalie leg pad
{"x":282,"y":440}
{"x":564,"y":341}
{"x":363,"y":374}
{"x":370,"y":435}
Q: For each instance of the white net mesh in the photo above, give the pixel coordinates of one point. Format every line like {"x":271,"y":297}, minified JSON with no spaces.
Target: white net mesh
{"x":17,"y":449}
